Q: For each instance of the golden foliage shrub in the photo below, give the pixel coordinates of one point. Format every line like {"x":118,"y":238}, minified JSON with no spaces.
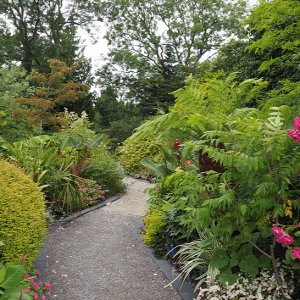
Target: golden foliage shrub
{"x":22,"y":215}
{"x":133,"y":151}
{"x":154,"y":222}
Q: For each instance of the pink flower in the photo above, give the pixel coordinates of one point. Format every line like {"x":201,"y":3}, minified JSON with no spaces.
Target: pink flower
{"x":296,"y":252}
{"x":36,"y":286}
{"x":27,"y":290}
{"x":294,"y":135}
{"x":43,"y":297}
{"x":38,"y":273}
{"x":48,"y":285}
{"x":35,"y":296}
{"x":32,"y":280}
{"x":297,"y":123}
{"x":176,"y":144}
{"x":27,"y":276}
{"x":285,"y":239}
{"x":277,"y":231}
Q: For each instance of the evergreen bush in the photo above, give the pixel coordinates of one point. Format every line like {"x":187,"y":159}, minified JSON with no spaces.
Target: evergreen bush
{"x":23,"y":217}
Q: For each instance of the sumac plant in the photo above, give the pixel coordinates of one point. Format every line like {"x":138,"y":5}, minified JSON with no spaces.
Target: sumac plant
{"x":256,"y":187}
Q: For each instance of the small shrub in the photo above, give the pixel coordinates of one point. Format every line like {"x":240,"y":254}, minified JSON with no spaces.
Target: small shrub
{"x":23,"y":217}
{"x":133,"y":151}
{"x":91,"y":192}
{"x":154,"y":222}
{"x":105,"y":171}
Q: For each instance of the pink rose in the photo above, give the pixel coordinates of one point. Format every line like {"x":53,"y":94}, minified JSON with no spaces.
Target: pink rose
{"x":277,"y":231}
{"x":296,"y":252}
{"x":36,"y":286}
{"x":48,"y":285}
{"x":297,"y":123}
{"x":43,"y":297}
{"x":35,"y":296}
{"x":294,"y":135}
{"x":285,"y":239}
{"x":32,"y":280}
{"x":27,"y":276}
{"x":27,"y":290}
{"x":177,"y":144}
{"x":38,"y":273}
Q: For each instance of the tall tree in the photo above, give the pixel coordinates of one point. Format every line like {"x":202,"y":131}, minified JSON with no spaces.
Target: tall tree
{"x":157,"y":43}
{"x":42,"y":29}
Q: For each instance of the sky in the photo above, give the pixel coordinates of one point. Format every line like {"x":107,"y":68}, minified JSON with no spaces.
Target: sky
{"x":98,"y":49}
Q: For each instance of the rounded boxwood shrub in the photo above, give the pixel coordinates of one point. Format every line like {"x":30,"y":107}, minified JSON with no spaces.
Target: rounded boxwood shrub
{"x":23,"y":217}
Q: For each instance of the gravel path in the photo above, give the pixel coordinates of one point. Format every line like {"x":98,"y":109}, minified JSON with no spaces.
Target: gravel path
{"x":97,"y":257}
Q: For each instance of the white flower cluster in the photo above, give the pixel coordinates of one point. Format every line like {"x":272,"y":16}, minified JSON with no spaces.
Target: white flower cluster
{"x":263,"y":287}
{"x":73,"y":120}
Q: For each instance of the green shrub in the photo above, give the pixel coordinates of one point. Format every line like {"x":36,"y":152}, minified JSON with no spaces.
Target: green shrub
{"x":133,"y":151}
{"x":154,"y":222}
{"x":22,"y":211}
{"x":106,"y":172}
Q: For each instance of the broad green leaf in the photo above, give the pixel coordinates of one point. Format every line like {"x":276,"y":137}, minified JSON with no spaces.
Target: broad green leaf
{"x":219,"y":259}
{"x":2,"y":273}
{"x":13,"y":275}
{"x":158,"y":169}
{"x":227,"y":276}
{"x":168,"y":156}
{"x":264,"y":262}
{"x":250,"y":265}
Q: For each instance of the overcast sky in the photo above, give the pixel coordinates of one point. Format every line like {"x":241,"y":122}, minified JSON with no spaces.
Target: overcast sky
{"x":97,"y":51}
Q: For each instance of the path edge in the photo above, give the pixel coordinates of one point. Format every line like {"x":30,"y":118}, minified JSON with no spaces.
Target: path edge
{"x":40,"y":263}
{"x":183,"y":288}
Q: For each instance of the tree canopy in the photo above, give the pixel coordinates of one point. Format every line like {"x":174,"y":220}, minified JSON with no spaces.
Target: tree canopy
{"x":154,"y":45}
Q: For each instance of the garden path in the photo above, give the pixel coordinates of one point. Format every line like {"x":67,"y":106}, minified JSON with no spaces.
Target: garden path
{"x":97,"y":256}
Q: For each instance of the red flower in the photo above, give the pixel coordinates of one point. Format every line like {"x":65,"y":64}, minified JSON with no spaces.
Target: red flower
{"x":296,"y":252}
{"x":48,"y":285}
{"x":294,"y":135}
{"x":277,"y":231}
{"x":285,"y":239}
{"x":176,"y":144}
{"x":297,"y":123}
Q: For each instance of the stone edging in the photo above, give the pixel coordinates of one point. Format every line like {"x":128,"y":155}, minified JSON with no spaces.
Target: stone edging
{"x":184,"y":289}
